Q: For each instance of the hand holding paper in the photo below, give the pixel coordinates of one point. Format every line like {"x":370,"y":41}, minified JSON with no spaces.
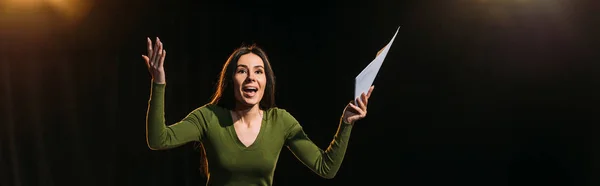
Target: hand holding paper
{"x":357,"y":109}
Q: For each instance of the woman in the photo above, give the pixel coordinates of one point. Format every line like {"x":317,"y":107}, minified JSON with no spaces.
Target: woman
{"x":241,"y":131}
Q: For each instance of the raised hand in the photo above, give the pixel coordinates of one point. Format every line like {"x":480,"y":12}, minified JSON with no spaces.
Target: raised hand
{"x":155,"y":60}
{"x":354,"y":112}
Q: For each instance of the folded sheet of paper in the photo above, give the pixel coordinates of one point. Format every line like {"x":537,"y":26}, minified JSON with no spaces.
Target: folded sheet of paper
{"x":365,"y":79}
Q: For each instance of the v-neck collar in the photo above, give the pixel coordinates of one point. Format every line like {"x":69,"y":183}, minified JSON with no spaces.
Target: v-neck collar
{"x":237,"y":140}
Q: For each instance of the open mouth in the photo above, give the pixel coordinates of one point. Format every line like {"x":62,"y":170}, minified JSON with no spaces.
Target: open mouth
{"x":250,"y":90}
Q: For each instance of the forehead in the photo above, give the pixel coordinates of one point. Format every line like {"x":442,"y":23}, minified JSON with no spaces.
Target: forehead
{"x":250,"y":60}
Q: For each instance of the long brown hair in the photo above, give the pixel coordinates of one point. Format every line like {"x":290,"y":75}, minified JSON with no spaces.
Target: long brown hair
{"x":224,"y":95}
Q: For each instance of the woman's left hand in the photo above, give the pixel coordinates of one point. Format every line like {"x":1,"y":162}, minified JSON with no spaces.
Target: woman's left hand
{"x":354,"y":112}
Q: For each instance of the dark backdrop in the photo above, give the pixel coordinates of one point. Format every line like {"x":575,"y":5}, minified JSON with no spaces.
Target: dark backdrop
{"x":472,"y":92}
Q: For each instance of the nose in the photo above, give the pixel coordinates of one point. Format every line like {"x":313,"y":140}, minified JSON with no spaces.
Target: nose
{"x":251,"y":77}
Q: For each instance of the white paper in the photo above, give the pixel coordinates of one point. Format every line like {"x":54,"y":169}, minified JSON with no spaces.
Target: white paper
{"x":365,"y":79}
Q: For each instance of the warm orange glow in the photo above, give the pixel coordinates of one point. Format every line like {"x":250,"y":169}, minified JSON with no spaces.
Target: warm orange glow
{"x":26,"y":3}
{"x":71,"y":9}
{"x":19,"y":5}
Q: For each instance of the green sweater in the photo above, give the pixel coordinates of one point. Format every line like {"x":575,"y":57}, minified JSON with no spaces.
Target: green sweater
{"x":230,"y":161}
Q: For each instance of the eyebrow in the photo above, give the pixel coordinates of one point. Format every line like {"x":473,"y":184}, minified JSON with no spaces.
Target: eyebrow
{"x":257,"y":66}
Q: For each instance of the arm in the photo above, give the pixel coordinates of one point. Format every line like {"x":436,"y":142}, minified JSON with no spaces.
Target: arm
{"x":325,"y":163}
{"x":158,"y":135}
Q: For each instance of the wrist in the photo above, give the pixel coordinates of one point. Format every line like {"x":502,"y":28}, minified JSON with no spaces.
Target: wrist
{"x":155,"y":81}
{"x":345,"y":121}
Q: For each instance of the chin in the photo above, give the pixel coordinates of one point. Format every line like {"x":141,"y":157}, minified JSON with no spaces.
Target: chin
{"x":251,"y":102}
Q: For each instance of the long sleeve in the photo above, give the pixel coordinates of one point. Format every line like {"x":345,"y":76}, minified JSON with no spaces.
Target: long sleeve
{"x":325,"y":163}
{"x":158,"y":135}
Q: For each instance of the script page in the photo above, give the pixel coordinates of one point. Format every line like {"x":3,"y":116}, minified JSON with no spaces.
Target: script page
{"x":365,"y":79}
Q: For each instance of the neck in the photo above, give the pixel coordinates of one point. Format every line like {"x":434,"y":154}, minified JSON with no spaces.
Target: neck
{"x":248,"y":113}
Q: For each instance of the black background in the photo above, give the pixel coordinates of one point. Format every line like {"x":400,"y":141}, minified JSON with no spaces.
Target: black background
{"x":472,"y":92}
